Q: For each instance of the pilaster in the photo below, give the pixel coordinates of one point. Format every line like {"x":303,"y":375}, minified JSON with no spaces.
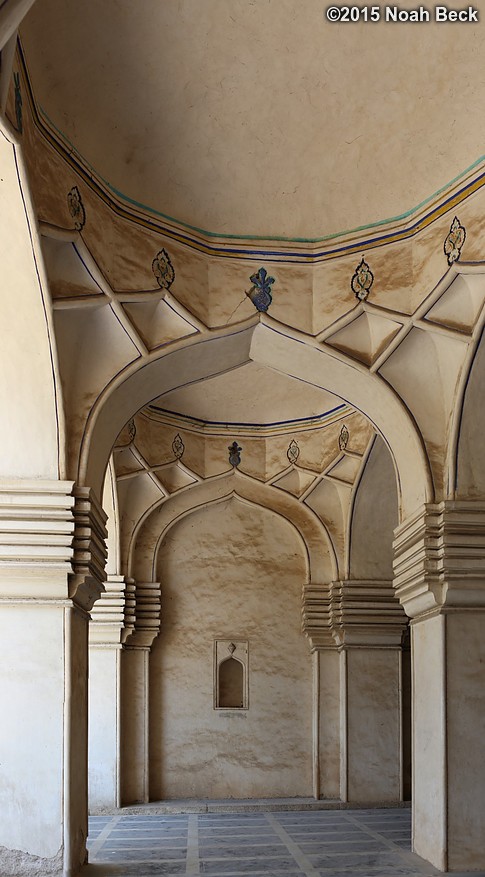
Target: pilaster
{"x":355,"y":629}
{"x":108,"y":628}
{"x":144,"y":616}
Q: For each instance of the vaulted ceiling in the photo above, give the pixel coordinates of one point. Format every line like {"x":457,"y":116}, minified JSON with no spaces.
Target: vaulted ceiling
{"x":259,"y":117}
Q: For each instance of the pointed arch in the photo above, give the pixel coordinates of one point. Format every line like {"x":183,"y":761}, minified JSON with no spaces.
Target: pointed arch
{"x":317,"y":547}
{"x":270,"y":344}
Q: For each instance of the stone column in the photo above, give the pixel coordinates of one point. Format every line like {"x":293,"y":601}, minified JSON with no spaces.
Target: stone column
{"x":355,"y":630}
{"x":440,"y":580}
{"x":111,"y":623}
{"x":135,"y":778}
{"x":51,"y":559}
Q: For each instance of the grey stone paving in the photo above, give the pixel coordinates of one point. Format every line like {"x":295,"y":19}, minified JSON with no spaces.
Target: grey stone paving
{"x":324,"y":843}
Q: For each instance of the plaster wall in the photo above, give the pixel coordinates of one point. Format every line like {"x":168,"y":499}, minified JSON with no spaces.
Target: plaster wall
{"x":103,"y":727}
{"x":31,"y":730}
{"x":27,"y":383}
{"x":231,"y":571}
{"x":375,"y":515}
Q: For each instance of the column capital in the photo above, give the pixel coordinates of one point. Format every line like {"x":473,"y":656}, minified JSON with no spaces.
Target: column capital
{"x":354,"y":612}
{"x":109,"y":624}
{"x":366,"y":613}
{"x":36,"y":535}
{"x":439,"y":557}
{"x":146,"y":622}
{"x":90,"y":552}
{"x":316,"y":615}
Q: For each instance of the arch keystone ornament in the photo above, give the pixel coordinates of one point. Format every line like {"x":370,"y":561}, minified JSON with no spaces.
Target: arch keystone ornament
{"x":260,"y":292}
{"x":454,"y":241}
{"x":234,"y":454}
{"x":362,"y":281}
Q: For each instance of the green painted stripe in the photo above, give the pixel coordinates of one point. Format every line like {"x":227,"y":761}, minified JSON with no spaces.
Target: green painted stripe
{"x":251,"y":237}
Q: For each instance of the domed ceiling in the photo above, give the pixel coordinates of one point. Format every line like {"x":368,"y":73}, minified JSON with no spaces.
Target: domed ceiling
{"x":259,"y":117}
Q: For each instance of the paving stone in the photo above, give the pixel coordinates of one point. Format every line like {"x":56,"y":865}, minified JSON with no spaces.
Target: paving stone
{"x":359,"y":843}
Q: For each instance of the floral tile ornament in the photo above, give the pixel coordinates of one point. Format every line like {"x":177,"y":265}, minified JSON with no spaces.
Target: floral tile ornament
{"x":260,"y":292}
{"x":234,"y":454}
{"x":178,"y":446}
{"x":454,"y":241}
{"x":362,"y":281}
{"x":293,"y":451}
{"x":163,"y":270}
{"x":343,"y":438}
{"x":76,"y":208}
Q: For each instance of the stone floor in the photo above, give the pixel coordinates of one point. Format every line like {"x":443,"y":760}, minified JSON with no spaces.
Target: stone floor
{"x":324,"y":843}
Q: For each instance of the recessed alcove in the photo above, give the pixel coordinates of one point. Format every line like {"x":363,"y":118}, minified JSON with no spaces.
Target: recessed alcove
{"x":230,"y":674}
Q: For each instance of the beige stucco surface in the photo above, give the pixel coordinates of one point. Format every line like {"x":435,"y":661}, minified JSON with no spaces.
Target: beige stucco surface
{"x":329,"y":723}
{"x":33,"y":701}
{"x":240,"y":569}
{"x":104,"y":697}
{"x":247,"y":117}
{"x":465,"y":670}
{"x":429,"y":749}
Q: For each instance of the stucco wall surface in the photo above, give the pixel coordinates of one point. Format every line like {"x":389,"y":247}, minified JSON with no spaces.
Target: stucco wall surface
{"x":239,"y":568}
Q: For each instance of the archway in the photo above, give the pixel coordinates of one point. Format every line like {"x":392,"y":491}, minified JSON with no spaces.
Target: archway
{"x":267,"y":344}
{"x":231,"y":574}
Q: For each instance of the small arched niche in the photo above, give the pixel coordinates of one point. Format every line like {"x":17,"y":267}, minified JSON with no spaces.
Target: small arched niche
{"x":230,"y":674}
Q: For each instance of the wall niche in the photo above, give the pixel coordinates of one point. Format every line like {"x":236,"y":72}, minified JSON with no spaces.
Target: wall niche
{"x":231,"y":678}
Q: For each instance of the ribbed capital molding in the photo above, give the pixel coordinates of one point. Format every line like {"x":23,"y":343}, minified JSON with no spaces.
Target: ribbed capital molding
{"x":366,"y":613}
{"x":52,"y":542}
{"x":316,"y":615}
{"x":439,"y":558}
{"x":352,"y":613}
{"x":112,"y":616}
{"x":145,"y":615}
{"x":90,"y":552}
{"x":36,"y":538}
